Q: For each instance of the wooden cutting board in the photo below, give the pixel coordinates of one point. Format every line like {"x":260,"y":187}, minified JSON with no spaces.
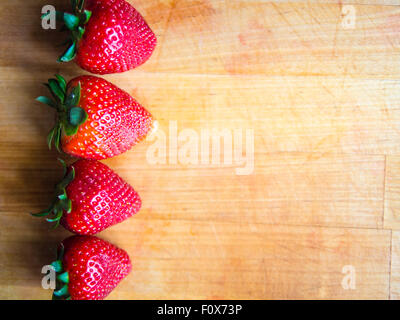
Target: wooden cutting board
{"x":317,"y":213}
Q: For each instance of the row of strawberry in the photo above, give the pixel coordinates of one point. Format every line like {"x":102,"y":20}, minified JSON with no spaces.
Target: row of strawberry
{"x":95,"y":120}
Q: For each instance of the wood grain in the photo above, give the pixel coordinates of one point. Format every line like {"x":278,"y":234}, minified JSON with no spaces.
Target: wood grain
{"x":289,"y":188}
{"x":395,"y":267}
{"x":214,"y":260}
{"x":288,"y":114}
{"x":209,"y":260}
{"x":285,"y":189}
{"x":304,"y":114}
{"x":32,"y":49}
{"x":275,"y":38}
{"x":322,"y":103}
{"x":392,"y":193}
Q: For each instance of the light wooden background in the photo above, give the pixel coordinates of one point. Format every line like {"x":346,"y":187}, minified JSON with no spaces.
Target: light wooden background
{"x":324,"y":105}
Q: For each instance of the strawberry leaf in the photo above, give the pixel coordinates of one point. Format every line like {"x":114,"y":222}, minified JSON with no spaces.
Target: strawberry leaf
{"x":60,"y":252}
{"x":50,"y":136}
{"x":57,"y":217}
{"x":77,"y":116}
{"x":44,"y":212}
{"x":61,"y":292}
{"x":63,"y":277}
{"x":70,"y":129}
{"x":86,"y":16}
{"x":57,"y":137}
{"x":71,"y":21}
{"x":61,"y":82}
{"x":61,"y":203}
{"x":47,"y":101}
{"x":81,"y":4}
{"x":64,"y":166}
{"x":57,"y":265}
{"x":69,"y":54}
{"x":69,"y":177}
{"x":41,"y":214}
{"x":56,"y":90}
{"x":78,"y":33}
{"x":74,"y":97}
{"x":68,"y":206}
{"x":74,"y":22}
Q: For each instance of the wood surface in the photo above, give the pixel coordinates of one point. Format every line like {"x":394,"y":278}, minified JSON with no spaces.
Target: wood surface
{"x":322,"y":199}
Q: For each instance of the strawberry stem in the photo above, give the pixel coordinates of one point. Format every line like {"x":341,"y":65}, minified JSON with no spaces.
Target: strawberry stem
{"x":61,"y":203}
{"x":63,"y":277}
{"x":73,"y":22}
{"x":57,"y":265}
{"x":69,"y":115}
{"x":61,"y":291}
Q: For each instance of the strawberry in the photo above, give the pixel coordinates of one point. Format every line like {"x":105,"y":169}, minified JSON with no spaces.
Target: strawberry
{"x":90,"y":198}
{"x":107,"y":36}
{"x":96,"y":119}
{"x":88,"y":268}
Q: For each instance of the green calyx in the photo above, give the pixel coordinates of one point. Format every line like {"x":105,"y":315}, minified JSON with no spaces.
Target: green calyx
{"x":74,"y":22}
{"x":61,"y":202}
{"x":69,"y":115}
{"x":62,"y":278}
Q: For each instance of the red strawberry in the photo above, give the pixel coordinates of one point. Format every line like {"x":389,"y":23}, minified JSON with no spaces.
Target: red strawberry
{"x":90,"y":198}
{"x":96,"y":120}
{"x":89,"y":268}
{"x":107,"y":36}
